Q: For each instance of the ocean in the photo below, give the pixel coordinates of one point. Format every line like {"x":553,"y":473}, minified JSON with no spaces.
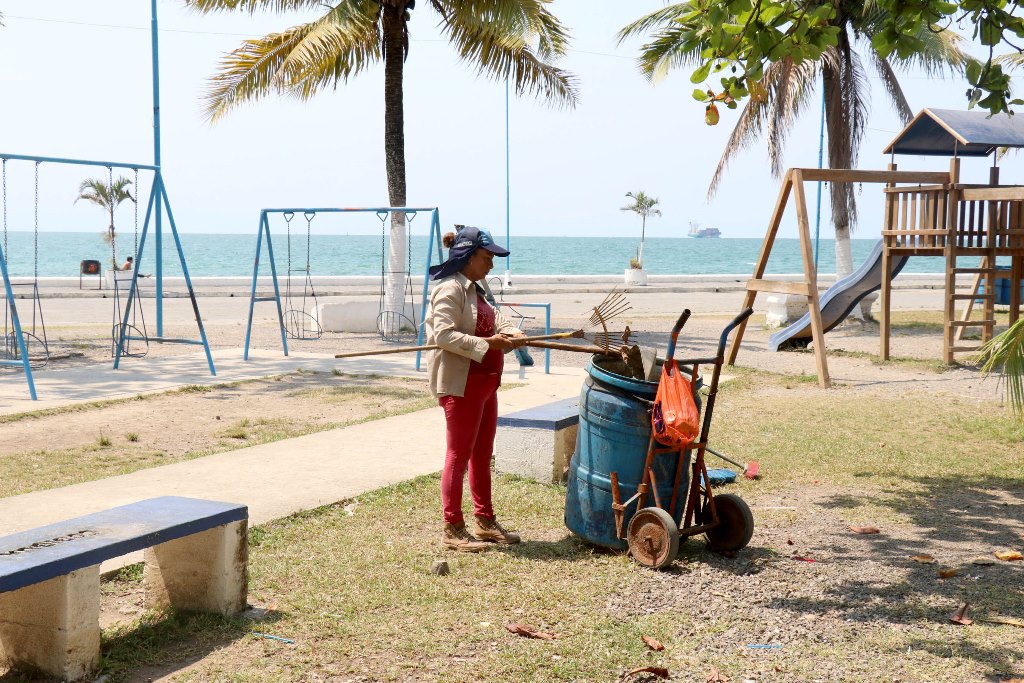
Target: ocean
{"x":212,"y":255}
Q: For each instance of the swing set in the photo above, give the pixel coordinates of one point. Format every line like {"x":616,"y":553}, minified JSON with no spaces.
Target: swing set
{"x":297,"y":310}
{"x":130,"y":336}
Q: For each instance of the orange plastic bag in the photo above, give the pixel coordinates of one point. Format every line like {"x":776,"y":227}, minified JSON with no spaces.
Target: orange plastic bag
{"x":675,"y":419}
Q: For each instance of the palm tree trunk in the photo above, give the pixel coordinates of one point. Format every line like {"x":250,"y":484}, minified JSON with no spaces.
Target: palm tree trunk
{"x":840,"y":155}
{"x":643,"y":229}
{"x":393,"y":22}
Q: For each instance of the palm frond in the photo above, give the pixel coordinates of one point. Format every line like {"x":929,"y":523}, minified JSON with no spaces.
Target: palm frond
{"x":846,"y":110}
{"x":1014,"y":60}
{"x":499,"y":39}
{"x":300,"y":61}
{"x":657,"y":19}
{"x":892,"y":87}
{"x":1005,"y":353}
{"x":251,"y":6}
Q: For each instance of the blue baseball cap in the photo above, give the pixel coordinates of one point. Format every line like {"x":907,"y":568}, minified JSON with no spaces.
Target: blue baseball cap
{"x":469,"y":239}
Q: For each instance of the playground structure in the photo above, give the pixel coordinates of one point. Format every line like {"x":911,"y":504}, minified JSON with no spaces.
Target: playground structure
{"x":299,"y":314}
{"x":925,"y":214}
{"x":126,"y":329}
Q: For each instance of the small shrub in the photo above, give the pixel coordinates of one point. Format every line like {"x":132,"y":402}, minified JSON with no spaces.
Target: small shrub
{"x":104,"y":441}
{"x":132,"y":436}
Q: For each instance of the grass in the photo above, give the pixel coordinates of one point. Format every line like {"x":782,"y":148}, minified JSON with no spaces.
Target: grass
{"x":930,"y":365}
{"x":399,"y":622}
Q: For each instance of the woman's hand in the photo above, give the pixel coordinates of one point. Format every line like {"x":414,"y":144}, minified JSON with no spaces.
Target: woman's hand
{"x":500,"y":342}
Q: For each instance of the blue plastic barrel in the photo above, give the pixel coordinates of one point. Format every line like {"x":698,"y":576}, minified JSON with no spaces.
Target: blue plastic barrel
{"x":614,"y":430}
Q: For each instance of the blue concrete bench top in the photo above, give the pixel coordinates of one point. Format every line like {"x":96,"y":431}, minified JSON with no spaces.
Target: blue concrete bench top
{"x":556,"y":415}
{"x":37,"y":555}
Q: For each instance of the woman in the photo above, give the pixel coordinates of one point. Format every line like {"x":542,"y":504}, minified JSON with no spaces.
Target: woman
{"x":465,"y":373}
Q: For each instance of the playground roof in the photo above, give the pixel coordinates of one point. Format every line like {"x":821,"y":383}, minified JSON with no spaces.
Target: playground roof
{"x":948,"y":132}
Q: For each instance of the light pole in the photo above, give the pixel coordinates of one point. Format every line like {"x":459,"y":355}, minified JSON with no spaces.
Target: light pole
{"x":508,"y":201}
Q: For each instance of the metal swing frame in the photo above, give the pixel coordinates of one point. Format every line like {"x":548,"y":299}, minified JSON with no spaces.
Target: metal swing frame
{"x":263,"y":232}
{"x":158,"y":202}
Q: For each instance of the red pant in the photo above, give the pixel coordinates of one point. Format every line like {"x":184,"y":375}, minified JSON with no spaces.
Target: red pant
{"x":471,"y":422}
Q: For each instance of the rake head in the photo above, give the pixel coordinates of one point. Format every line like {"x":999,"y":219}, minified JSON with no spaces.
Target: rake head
{"x":615,"y":304}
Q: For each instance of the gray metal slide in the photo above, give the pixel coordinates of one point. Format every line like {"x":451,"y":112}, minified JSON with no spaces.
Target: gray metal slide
{"x":838,"y":300}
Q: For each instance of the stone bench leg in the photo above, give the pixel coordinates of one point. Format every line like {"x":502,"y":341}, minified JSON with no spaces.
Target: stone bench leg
{"x":539,"y":454}
{"x":53,"y":626}
{"x":204,"y":572}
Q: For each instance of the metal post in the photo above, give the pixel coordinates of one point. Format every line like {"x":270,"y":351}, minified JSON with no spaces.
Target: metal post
{"x":252,"y":292}
{"x":22,"y":347}
{"x":157,"y":238}
{"x":547,"y":330}
{"x":435,"y":228}
{"x":188,"y":280}
{"x":821,"y":147}
{"x":508,"y":199}
{"x":153,"y":199}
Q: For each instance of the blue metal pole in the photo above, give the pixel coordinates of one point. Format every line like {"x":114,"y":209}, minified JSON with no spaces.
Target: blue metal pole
{"x":547,"y":330}
{"x":277,"y":290}
{"x":508,"y":199}
{"x":821,"y":147}
{"x":153,"y":199}
{"x":435,"y":228}
{"x":80,"y":162}
{"x":22,"y":347}
{"x":188,"y":280}
{"x":252,"y":292}
{"x":157,"y":238}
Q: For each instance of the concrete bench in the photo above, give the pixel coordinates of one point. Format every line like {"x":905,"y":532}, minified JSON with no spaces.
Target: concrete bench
{"x":538,"y":442}
{"x":196,"y":559}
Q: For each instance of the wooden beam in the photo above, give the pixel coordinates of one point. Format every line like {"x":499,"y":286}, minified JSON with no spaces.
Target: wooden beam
{"x":778,"y":287}
{"x":949,"y":308}
{"x":811,"y":278}
{"x":848,"y":175}
{"x":762,"y":262}
{"x":1005,"y":192}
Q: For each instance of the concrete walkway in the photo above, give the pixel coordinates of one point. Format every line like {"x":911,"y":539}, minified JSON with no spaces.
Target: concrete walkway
{"x":284,"y":477}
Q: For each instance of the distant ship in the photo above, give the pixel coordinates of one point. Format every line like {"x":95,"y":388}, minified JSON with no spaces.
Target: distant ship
{"x":697,"y":231}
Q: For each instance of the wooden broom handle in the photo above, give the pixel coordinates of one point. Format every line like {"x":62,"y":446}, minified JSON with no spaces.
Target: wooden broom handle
{"x":430,"y":347}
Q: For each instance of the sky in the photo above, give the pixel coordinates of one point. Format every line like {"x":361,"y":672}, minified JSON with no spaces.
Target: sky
{"x":75,"y":82}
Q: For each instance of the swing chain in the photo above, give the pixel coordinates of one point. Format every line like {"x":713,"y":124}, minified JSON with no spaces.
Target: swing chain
{"x":136,"y":201}
{"x":5,"y":205}
{"x":113,"y":239}
{"x":309,"y":216}
{"x":35,"y":235}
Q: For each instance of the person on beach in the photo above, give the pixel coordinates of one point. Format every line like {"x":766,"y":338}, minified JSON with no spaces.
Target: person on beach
{"x":465,"y":373}
{"x":129,"y":263}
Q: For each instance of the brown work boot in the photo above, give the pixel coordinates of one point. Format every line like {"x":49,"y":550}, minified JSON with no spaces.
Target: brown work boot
{"x":490,"y":530}
{"x":457,"y":537}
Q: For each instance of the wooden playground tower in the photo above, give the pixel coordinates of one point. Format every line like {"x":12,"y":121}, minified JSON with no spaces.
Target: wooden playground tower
{"x":925,"y":214}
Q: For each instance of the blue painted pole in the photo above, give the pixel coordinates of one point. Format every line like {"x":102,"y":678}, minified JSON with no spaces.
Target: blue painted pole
{"x":277,"y":289}
{"x":435,"y":229}
{"x":821,"y":148}
{"x":252,"y":292}
{"x":22,"y":347}
{"x":153,"y":199}
{"x":188,"y":280}
{"x":157,"y":237}
{"x":508,"y":199}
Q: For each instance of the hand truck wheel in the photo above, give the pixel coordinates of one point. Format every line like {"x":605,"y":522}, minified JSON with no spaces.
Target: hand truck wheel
{"x":653,"y":538}
{"x":735,"y":523}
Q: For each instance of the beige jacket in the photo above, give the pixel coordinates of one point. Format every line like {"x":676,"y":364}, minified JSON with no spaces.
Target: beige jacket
{"x":450,"y":323}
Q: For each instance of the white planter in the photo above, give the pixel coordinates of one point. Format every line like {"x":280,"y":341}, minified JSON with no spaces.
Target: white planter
{"x":636,"y":277}
{"x":784,"y":309}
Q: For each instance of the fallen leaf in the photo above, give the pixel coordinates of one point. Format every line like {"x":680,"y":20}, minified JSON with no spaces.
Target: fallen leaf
{"x":653,"y":644}
{"x":659,"y":671}
{"x":947,"y":573}
{"x":983,"y":561}
{"x":863,"y":529}
{"x":801,"y":558}
{"x":960,"y":616}
{"x":923,"y":559}
{"x":528,"y":631}
{"x":1008,"y":555}
{"x":1009,"y":621}
{"x":789,"y":541}
{"x":715,"y":677}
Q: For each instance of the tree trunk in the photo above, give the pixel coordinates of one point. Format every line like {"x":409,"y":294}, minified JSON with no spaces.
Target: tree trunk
{"x":643,"y":230}
{"x":840,"y":155}
{"x":393,"y":23}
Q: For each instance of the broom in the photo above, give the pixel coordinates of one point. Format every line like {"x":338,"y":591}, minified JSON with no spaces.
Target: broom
{"x":750,"y":470}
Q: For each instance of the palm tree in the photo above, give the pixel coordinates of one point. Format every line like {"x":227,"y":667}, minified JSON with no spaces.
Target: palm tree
{"x":1005,"y":353}
{"x":788,"y":88}
{"x":643,"y":206}
{"x":107,"y":197}
{"x":504,"y":39}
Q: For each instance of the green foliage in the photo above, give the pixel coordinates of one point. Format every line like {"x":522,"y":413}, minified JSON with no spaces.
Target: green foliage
{"x":644,"y":206}
{"x":738,"y":40}
{"x":108,"y":198}
{"x":1005,"y":353}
